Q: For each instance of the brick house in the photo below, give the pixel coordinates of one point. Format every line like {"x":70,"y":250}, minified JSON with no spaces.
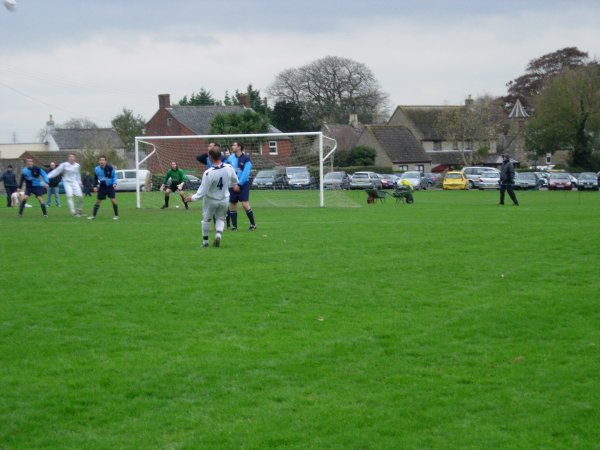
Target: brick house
{"x":176,"y":120}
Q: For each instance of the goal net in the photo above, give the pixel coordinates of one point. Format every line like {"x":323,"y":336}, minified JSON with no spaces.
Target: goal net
{"x":287,"y":168}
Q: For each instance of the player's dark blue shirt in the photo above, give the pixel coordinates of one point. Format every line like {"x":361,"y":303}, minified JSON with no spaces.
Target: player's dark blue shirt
{"x":106,"y":176}
{"x":34,"y":177}
{"x":243,"y":168}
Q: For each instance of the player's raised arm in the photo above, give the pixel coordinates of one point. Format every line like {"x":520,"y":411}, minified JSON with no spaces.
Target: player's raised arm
{"x":57,"y":171}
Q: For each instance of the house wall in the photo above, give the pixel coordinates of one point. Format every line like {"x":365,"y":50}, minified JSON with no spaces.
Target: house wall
{"x":13,"y":151}
{"x":367,"y":139}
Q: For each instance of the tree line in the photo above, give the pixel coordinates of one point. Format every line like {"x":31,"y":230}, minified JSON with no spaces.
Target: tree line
{"x":559,"y":90}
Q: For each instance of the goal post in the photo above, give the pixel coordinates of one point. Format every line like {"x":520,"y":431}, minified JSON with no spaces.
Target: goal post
{"x":283,"y":157}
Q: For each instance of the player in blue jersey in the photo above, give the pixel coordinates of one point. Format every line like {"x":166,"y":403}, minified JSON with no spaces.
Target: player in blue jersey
{"x":105,"y":182}
{"x":240,"y":192}
{"x":36,"y":180}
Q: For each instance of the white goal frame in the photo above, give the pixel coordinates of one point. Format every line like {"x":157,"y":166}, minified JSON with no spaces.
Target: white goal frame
{"x":208,"y":137}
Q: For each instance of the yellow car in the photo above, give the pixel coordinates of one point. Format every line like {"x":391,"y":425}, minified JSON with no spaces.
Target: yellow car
{"x":455,"y":180}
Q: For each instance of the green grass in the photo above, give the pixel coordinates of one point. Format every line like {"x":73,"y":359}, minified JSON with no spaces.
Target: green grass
{"x":449,"y":323}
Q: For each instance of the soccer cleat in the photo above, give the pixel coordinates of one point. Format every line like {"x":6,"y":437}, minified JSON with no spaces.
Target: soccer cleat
{"x":233,"y":228}
{"x":45,"y":216}
{"x":92,"y":218}
{"x":252,"y":228}
{"x":116,"y":218}
{"x":163,"y":207}
{"x":217,"y":241}
{"x":205,"y":245}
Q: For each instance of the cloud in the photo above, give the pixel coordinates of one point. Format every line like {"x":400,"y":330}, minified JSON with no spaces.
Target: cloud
{"x":416,"y":60}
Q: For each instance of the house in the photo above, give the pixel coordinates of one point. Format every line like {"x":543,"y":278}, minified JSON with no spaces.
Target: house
{"x":176,"y":120}
{"x":426,"y":124}
{"x":396,"y":147}
{"x":80,"y":139}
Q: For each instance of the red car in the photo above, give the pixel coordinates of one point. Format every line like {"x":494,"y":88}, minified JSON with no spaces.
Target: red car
{"x":559,"y":180}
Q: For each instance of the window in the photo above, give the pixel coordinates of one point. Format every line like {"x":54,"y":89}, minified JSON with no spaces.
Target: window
{"x":169,"y":121}
{"x":469,"y":145}
{"x":420,"y":167}
{"x":548,"y":158}
{"x":455,"y":145}
{"x":403,"y":167}
{"x":272,"y":147}
{"x":437,"y":146}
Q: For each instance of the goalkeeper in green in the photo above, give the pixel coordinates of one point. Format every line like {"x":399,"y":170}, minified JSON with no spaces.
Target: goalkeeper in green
{"x":173,"y":182}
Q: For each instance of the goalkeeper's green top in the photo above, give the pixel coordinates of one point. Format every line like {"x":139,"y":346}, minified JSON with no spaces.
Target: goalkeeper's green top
{"x":176,"y":176}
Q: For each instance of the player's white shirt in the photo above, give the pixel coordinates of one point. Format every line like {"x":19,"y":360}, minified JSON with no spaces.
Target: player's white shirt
{"x":71,"y":172}
{"x":216,"y":183}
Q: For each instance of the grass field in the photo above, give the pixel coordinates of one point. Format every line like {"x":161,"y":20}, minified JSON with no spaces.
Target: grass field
{"x":449,"y":323}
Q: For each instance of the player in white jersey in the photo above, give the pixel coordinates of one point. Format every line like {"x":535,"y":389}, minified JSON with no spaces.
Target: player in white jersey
{"x":215,"y":186}
{"x":71,"y":175}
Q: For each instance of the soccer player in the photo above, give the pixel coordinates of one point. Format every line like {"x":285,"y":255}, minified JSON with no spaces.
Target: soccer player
{"x":105,"y":182}
{"x":71,"y":176}
{"x":241,"y":192}
{"x":216,"y":183}
{"x":35,"y":180}
{"x":178,"y":178}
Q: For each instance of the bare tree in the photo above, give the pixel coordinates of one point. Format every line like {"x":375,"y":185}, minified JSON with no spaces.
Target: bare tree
{"x":473,"y":127}
{"x":330,"y":89}
{"x":78,"y":123}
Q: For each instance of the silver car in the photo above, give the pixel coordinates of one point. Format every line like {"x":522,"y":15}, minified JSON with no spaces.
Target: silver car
{"x":587,"y":180}
{"x":365,"y":180}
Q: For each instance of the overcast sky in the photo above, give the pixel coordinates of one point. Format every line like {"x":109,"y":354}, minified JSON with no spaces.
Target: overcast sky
{"x":84,"y":58}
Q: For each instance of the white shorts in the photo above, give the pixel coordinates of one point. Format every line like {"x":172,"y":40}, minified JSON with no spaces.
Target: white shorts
{"x":213,"y":208}
{"x":72,"y":188}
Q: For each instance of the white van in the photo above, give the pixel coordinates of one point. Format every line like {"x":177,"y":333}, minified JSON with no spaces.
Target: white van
{"x":126,"y":180}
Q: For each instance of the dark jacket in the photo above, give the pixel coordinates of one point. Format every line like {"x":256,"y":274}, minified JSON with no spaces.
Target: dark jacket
{"x":9,"y":178}
{"x":507,"y":172}
{"x":54,"y":182}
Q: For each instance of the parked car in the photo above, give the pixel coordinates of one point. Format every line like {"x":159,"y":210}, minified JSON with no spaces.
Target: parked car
{"x":587,"y":180}
{"x":365,"y":180}
{"x":456,"y":180}
{"x":415,"y":178}
{"x":299,"y":178}
{"x":336,"y":180}
{"x":559,"y":180}
{"x":574,"y":179}
{"x":489,"y":180}
{"x":193,"y":182}
{"x":434,"y":179}
{"x":473,"y":174}
{"x":126,"y":180}
{"x":269,"y":179}
{"x":388,"y":181}
{"x":526,"y":180}
{"x":542,"y":178}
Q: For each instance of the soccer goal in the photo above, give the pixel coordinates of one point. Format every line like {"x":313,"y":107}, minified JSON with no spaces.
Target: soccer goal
{"x":287,"y":168}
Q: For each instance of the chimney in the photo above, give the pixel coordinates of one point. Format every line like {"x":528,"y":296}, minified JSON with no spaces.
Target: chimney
{"x":469,"y":101}
{"x":164,"y":101}
{"x":353,"y":120}
{"x":244,"y":100}
{"x":50,"y":125}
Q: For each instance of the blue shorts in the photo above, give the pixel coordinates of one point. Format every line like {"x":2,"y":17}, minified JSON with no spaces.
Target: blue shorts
{"x":106,"y":191}
{"x":38,"y":191}
{"x":241,"y":196}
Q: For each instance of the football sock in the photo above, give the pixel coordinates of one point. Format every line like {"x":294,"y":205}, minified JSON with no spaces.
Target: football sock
{"x":166,"y":200}
{"x":205,"y":229}
{"x":71,"y":204}
{"x":21,"y":207}
{"x":228,"y":218}
{"x":219,"y":225}
{"x":233,"y":216}
{"x":250,"y":215}
{"x":43,"y":208}
{"x":116,"y":209}
{"x":96,"y":208}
